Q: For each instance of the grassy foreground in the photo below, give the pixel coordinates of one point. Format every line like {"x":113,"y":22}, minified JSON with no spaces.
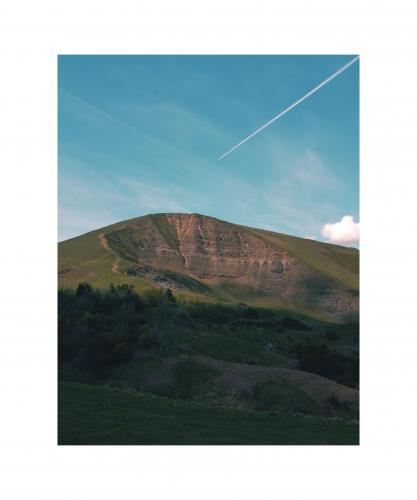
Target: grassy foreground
{"x":90,"y":414}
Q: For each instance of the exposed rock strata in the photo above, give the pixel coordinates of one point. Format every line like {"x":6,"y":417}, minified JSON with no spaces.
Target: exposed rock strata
{"x":212,"y":252}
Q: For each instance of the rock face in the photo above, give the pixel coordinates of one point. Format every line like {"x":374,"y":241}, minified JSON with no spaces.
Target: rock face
{"x":175,"y":250}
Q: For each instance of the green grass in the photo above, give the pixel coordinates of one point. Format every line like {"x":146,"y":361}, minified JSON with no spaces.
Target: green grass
{"x":97,"y":415}
{"x":190,"y":379}
{"x":232,"y":349}
{"x":89,"y":261}
{"x":166,"y":229}
{"x":281,"y":396}
{"x":335,"y":261}
{"x":123,"y":243}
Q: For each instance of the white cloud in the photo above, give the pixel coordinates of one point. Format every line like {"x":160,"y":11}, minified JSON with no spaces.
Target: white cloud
{"x":309,"y":237}
{"x":346,"y":231}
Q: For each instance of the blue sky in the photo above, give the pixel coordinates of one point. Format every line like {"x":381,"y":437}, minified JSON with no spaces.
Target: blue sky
{"x":142,"y":134}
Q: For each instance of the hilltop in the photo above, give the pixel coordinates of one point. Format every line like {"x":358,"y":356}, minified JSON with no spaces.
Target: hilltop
{"x":201,"y":257}
{"x":206,"y":259}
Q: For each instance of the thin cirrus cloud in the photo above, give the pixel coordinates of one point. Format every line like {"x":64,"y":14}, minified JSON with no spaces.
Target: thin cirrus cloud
{"x":142,"y":145}
{"x":310,"y":169}
{"x":346,"y":231}
{"x":89,"y":203}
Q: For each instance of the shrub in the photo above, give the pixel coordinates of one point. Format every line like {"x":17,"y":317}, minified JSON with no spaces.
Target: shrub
{"x":288,"y":323}
{"x":83,"y":289}
{"x":318,"y":358}
{"x":332,"y":334}
{"x":170,"y":296}
{"x":158,"y":296}
{"x":98,"y":329}
{"x":190,"y":377}
{"x":148,"y":340}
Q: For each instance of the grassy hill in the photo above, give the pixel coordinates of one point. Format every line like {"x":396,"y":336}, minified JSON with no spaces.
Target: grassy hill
{"x":204,"y":259}
{"x":256,"y":375}
{"x":184,"y":329}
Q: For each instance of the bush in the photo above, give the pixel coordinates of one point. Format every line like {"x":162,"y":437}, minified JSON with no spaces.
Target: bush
{"x":148,"y":340}
{"x":319,"y":359}
{"x":98,"y":329}
{"x":190,"y":377}
{"x":332,"y":334}
{"x":170,"y":296}
{"x":288,"y":323}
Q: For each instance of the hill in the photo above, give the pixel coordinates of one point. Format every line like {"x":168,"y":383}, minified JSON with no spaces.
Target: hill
{"x":261,"y":363}
{"x":205,"y":259}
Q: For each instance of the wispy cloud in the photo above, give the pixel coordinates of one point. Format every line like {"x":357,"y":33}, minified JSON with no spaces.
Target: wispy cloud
{"x":148,"y":197}
{"x":94,"y":203}
{"x":182,"y":125}
{"x":309,"y":168}
{"x":89,"y":113}
{"x":156,"y":154}
{"x":75,"y":221}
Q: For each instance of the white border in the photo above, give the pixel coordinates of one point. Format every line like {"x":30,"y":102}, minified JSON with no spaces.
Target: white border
{"x":32,"y":34}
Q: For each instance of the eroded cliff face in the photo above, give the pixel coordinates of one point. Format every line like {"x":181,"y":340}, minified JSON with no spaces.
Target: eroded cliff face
{"x":211,"y":251}
{"x":208,"y":249}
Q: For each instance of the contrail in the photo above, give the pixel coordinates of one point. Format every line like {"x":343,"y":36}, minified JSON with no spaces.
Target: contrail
{"x":296,"y":103}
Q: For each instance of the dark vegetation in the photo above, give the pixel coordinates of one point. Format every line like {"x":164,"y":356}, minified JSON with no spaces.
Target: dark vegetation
{"x":153,"y":343}
{"x":318,"y":358}
{"x":271,"y":395}
{"x":91,"y":415}
{"x":189,"y":378}
{"x":98,"y":329}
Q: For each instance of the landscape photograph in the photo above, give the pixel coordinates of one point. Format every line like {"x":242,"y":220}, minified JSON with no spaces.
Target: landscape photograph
{"x":208,"y":250}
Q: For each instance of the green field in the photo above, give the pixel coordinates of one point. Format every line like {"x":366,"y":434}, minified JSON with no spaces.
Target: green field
{"x":99,"y":415}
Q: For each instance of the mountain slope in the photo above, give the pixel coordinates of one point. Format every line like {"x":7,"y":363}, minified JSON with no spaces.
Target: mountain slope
{"x":208,"y":259}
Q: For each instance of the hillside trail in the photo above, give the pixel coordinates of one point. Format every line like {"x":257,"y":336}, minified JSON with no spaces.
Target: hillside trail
{"x":105,"y":245}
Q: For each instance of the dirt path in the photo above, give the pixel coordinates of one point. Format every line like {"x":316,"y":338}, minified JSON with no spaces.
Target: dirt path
{"x":105,"y":245}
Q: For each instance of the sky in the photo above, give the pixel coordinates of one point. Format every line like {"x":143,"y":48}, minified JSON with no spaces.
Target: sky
{"x":143,"y":134}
